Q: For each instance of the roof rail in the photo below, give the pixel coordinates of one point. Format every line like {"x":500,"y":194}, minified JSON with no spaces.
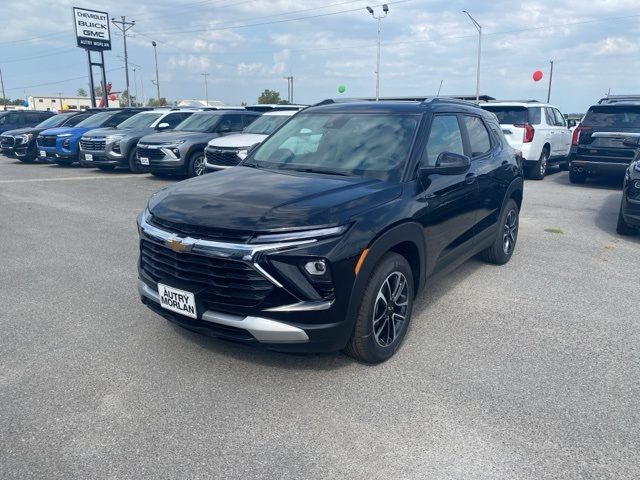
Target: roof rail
{"x":422,"y":99}
{"x":513,"y":101}
{"x":619,"y":99}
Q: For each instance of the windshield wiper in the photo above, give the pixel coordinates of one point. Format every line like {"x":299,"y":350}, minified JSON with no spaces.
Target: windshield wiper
{"x":315,"y":170}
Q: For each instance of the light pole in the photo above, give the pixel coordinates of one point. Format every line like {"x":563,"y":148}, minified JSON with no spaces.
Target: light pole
{"x":155,"y":53}
{"x":206,"y":87}
{"x":385,"y":9}
{"x":479,"y":28}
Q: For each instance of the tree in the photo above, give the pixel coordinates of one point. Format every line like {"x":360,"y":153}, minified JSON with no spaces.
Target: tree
{"x":269,"y":96}
{"x":81,"y":92}
{"x":155,"y":103}
{"x":98,"y":91}
{"x":124,"y":97}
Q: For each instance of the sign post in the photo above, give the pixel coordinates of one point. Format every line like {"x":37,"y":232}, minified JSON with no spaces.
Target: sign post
{"x":93,"y":35}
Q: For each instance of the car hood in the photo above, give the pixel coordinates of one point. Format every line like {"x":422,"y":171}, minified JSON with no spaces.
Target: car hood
{"x":257,"y":200}
{"x":125,"y":132}
{"x":239,"y":140}
{"x":21,"y":131}
{"x":72,"y":130}
{"x":168,"y":137}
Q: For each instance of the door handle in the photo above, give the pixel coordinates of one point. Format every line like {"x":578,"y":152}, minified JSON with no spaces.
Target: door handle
{"x":470,"y":178}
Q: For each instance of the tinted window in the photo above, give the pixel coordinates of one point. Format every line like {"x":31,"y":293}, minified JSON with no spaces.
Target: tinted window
{"x":266,"y":124}
{"x":76,"y":119}
{"x":174,"y":119}
{"x":141,"y":120}
{"x":53,"y":121}
{"x":231,"y":123}
{"x":356,"y":144}
{"x":118,"y":118}
{"x":249,"y":119}
{"x":627,"y":116}
{"x":199,"y":122}
{"x":509,"y":115}
{"x":95,"y":120}
{"x":535,"y":115}
{"x":444,"y":136}
{"x":551,"y":118}
{"x":478,"y":136}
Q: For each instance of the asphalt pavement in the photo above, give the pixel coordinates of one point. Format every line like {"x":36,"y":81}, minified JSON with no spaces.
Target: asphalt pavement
{"x":526,"y":371}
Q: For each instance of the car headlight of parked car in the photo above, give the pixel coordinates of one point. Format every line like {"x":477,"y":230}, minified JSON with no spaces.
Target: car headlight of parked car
{"x":315,"y":234}
{"x":26,"y":138}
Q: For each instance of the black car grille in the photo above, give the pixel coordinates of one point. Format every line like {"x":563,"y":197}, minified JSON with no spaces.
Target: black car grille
{"x":217,"y":281}
{"x":6,"y":142}
{"x":47,"y":141}
{"x":150,"y":153}
{"x":95,"y":145}
{"x":224,"y":158}
{"x":207,"y":233}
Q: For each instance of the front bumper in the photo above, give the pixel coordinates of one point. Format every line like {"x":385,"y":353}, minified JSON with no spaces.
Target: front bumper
{"x":163,"y":160}
{"x":101,"y":157}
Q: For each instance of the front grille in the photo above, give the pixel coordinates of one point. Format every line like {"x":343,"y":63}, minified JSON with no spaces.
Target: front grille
{"x":224,"y":158}
{"x":47,"y":141}
{"x":208,"y":233}
{"x":219,"y":282}
{"x":94,"y":145}
{"x":6,"y":142}
{"x":150,"y":153}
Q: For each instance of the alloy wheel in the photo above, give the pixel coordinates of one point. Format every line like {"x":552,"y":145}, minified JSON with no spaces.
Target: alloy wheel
{"x":510,"y":232}
{"x":199,"y":165}
{"x":390,"y":309}
{"x":543,"y":165}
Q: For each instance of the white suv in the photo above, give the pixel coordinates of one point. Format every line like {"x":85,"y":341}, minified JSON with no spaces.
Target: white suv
{"x":538,"y":130}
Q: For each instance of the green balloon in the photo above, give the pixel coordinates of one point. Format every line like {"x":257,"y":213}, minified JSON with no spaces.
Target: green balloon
{"x":341,"y":88}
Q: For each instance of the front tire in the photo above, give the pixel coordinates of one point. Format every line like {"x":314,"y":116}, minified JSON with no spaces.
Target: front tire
{"x":385,"y":311}
{"x":196,"y":165}
{"x":623,"y":228}
{"x":27,"y":159}
{"x":133,"y":166}
{"x":539,"y":170}
{"x":505,"y":242}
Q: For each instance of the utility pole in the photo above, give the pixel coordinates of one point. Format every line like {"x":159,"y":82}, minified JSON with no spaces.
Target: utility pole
{"x":124,"y":27}
{"x":289,"y":80}
{"x":206,"y":87}
{"x":157,"y":82}
{"x":385,"y":9}
{"x":550,"y":78}
{"x":479,"y":28}
{"x":135,"y":83}
{"x":60,"y":100}
{"x":4,"y":98}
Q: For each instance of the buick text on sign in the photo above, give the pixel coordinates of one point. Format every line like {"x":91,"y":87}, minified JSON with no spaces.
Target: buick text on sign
{"x":92,"y":29}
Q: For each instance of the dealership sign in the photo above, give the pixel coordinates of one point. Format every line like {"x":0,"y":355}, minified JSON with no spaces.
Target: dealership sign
{"x":92,"y":29}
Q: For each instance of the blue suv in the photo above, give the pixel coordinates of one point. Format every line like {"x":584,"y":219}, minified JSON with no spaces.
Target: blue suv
{"x":60,"y":145}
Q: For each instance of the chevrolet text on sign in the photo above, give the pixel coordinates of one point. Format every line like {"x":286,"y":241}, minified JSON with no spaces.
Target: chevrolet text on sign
{"x":92,"y":29}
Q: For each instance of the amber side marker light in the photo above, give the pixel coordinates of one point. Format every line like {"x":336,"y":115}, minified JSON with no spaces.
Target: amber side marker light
{"x":360,"y":261}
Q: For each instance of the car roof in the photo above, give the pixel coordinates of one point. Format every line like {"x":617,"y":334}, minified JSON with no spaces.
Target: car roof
{"x":428,"y":104}
{"x":516,"y":103}
{"x":280,"y":113}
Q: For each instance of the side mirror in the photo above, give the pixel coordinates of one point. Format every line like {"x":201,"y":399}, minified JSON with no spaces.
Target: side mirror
{"x":571,"y":123}
{"x":163,"y":126}
{"x":633,"y":142}
{"x":448,"y":163}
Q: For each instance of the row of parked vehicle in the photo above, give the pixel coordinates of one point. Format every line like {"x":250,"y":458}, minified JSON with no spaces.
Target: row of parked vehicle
{"x":160,"y":141}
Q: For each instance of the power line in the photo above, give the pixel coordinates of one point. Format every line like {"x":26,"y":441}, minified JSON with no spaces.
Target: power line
{"x":59,"y":82}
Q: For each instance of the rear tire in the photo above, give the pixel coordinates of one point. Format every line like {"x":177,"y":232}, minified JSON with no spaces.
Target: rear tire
{"x":623,"y":228}
{"x":196,"y":164}
{"x":505,"y":242}
{"x":106,"y":168}
{"x":538,"y":171}
{"x":577,"y":178}
{"x":385,"y":311}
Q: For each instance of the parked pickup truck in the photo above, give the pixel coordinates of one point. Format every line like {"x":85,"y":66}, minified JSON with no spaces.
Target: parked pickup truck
{"x":61,"y":145}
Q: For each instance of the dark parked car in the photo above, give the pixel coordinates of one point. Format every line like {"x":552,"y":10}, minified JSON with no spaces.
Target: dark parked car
{"x":12,"y":119}
{"x":21,"y":143}
{"x":181,"y":151}
{"x":597,"y":146}
{"x":321,"y":238}
{"x":629,"y":216}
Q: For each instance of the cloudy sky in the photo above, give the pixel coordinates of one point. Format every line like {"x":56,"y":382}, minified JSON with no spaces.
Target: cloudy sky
{"x":247,"y":46}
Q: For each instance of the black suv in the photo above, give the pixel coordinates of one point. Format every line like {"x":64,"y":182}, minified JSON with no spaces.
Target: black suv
{"x":10,"y":120}
{"x":629,"y":216}
{"x":597,"y":146}
{"x":21,"y":143}
{"x":321,"y":238}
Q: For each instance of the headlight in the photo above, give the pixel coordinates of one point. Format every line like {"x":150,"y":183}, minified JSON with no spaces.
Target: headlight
{"x":173,"y":144}
{"x":242,"y":154}
{"x":113,"y":138}
{"x":64,"y":135}
{"x":301,"y":235}
{"x":26,"y":138}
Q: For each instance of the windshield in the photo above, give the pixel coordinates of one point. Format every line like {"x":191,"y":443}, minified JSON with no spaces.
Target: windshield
{"x":96,"y":120}
{"x":509,"y":115}
{"x":141,"y":120}
{"x":359,"y":144}
{"x":199,"y":122}
{"x":54,"y":121}
{"x":613,"y":117}
{"x":266,"y":124}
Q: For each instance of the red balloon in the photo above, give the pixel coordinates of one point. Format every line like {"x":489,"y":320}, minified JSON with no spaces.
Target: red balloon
{"x":112,"y":97}
{"x":537,"y":76}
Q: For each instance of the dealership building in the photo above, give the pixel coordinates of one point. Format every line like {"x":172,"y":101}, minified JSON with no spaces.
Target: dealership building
{"x":59,"y":103}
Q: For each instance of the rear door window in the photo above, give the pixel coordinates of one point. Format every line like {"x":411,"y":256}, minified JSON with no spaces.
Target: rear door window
{"x":174,"y":119}
{"x":478,"y":136}
{"x":509,"y":115}
{"x":444,"y":136}
{"x":560,"y":121}
{"x":612,"y":117}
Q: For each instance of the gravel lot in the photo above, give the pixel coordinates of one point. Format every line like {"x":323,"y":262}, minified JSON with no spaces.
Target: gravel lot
{"x":528,"y":371}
